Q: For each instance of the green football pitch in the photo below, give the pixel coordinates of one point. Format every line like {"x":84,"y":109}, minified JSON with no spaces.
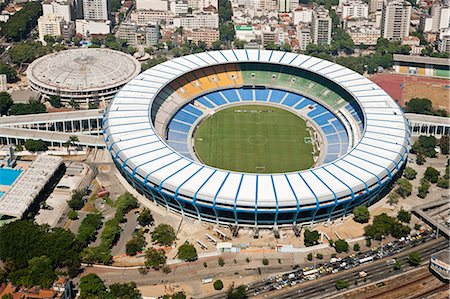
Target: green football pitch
{"x":254,"y":139}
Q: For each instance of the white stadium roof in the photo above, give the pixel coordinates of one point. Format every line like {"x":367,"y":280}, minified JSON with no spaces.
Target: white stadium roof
{"x":384,"y":144}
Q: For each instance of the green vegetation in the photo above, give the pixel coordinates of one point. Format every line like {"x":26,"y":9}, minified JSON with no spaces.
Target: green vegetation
{"x":397,"y":265}
{"x":221,"y":261}
{"x":404,"y":216}
{"x":136,"y":244}
{"x":32,"y":107}
{"x":356,"y":247}
{"x":152,"y":62}
{"x":425,"y":146}
{"x":265,"y":261}
{"x":404,"y":187}
{"x":88,"y":228}
{"x":383,"y":225}
{"x":341,"y":246}
{"x":423,"y":106}
{"x":361,"y":214}
{"x":311,"y":237}
{"x":5,"y":102}
{"x":309,"y":256}
{"x":409,"y":173}
{"x":239,"y":292}
{"x":444,"y":144}
{"x":11,"y":74}
{"x":414,"y":258}
{"x":76,"y":202}
{"x":187,"y":252}
{"x":72,"y":215}
{"x":145,"y":217}
{"x":155,"y":258}
{"x":431,"y":175}
{"x":33,"y":145}
{"x":218,"y":285}
{"x":22,"y":22}
{"x":423,"y":188}
{"x":177,"y":295}
{"x":55,"y":101}
{"x":93,"y":287}
{"x":27,"y":52}
{"x":341,"y":284}
{"x":254,"y":142}
{"x":27,"y":250}
{"x":164,"y":234}
{"x":319,"y":256}
{"x":393,"y":198}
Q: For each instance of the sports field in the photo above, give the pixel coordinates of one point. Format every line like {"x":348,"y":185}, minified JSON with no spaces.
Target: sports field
{"x":255,"y":139}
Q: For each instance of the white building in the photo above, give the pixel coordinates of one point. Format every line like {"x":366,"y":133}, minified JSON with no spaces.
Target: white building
{"x":97,"y":10}
{"x":367,"y":35}
{"x":138,"y":35}
{"x":304,"y":38}
{"x":355,"y":9}
{"x":444,"y":41}
{"x":321,"y":27}
{"x":152,"y":4}
{"x":49,"y":25}
{"x":179,"y":7}
{"x":60,"y":8}
{"x":142,"y":17}
{"x":245,"y":33}
{"x":395,"y":19}
{"x":197,"y":21}
{"x":200,"y":4}
{"x":426,"y":23}
{"x":302,"y":15}
{"x":87,"y":27}
{"x":375,"y":5}
{"x":441,"y":16}
{"x":3,"y":82}
{"x":284,"y":5}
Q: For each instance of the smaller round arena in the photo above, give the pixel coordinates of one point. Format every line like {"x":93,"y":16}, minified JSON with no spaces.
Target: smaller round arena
{"x":84,"y":75}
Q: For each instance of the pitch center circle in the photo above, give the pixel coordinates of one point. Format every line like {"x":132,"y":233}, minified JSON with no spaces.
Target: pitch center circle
{"x":257,"y":140}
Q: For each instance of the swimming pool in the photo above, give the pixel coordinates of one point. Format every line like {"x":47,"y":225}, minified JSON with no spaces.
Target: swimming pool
{"x":8,"y":176}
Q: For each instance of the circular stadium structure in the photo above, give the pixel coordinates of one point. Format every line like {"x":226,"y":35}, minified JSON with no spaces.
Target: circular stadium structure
{"x":84,"y":75}
{"x":355,"y":137}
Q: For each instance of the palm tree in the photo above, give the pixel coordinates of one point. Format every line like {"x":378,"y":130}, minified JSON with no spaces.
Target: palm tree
{"x":180,"y":30}
{"x":71,"y":142}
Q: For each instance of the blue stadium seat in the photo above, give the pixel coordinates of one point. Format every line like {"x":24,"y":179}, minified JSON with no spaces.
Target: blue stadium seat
{"x":205,"y":102}
{"x":246,"y":94}
{"x":185,"y":117}
{"x":175,"y":136}
{"x":334,"y":148}
{"x":333,"y":138}
{"x":177,"y":126}
{"x":261,"y":94}
{"x":231,"y":95}
{"x":303,"y":103}
{"x":179,"y":146}
{"x":192,"y":109}
{"x":277,"y":96}
{"x":291,"y":100}
{"x":328,"y":129}
{"x":216,"y":99}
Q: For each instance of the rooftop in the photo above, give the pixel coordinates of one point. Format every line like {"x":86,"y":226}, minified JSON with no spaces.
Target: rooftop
{"x":422,"y":59}
{"x":83,"y":69}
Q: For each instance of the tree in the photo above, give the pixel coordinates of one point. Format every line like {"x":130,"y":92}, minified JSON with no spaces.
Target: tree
{"x":27,"y":52}
{"x":397,"y":265}
{"x":361,"y":214}
{"x":11,"y":74}
{"x":88,"y":228}
{"x":55,"y":101}
{"x":310,"y":237}
{"x":414,"y":258}
{"x":92,"y":286}
{"x":341,"y":284}
{"x":76,"y":202}
{"x":136,"y":244}
{"x":425,"y":146}
{"x":444,"y":144}
{"x":38,"y":273}
{"x":145,"y":217}
{"x":216,"y":45}
{"x":383,"y":225}
{"x":404,"y":216}
{"x":341,"y":246}
{"x":35,"y":145}
{"x":73,"y":139}
{"x":423,"y":106}
{"x":187,"y":252}
{"x":22,"y":22}
{"x":423,"y":188}
{"x":218,"y":285}
{"x":409,"y":173}
{"x":309,"y":256}
{"x":393,"y":198}
{"x":5,"y":102}
{"x":155,"y":258}
{"x":356,"y":247}
{"x":443,"y":183}
{"x":239,"y":292}
{"x":431,"y":175}
{"x":163,"y":234}
{"x":319,"y":256}
{"x":404,"y":187}
{"x":125,"y":291}
{"x":72,"y":215}
{"x":33,"y":107}
{"x":239,"y":44}
{"x":265,"y":261}
{"x":420,"y":159}
{"x":221,"y":261}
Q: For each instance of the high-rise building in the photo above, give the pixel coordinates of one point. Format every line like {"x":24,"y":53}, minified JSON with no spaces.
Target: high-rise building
{"x":136,"y":35}
{"x":321,"y":27}
{"x":443,"y":43}
{"x":304,"y":37}
{"x":97,"y":10}
{"x":49,"y":25}
{"x":284,"y":5}
{"x":395,"y":19}
{"x":441,"y":16}
{"x":355,"y":9}
{"x":375,"y":5}
{"x":60,"y":8}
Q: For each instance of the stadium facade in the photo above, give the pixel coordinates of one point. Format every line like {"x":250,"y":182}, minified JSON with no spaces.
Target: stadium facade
{"x":363,"y":134}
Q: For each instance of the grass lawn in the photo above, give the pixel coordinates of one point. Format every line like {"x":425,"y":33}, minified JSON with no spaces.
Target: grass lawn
{"x":263,"y":139}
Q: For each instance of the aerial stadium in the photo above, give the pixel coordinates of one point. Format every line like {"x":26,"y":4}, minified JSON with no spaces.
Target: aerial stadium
{"x":256,"y":138}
